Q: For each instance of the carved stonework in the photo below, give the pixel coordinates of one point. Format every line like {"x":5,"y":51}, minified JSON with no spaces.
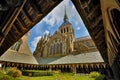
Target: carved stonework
{"x":63,"y":42}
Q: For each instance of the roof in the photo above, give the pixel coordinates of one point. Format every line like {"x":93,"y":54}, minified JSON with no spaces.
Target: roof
{"x":82,"y":38}
{"x":65,"y":23}
{"x":66,"y":20}
{"x":93,"y":57}
{"x":10,"y":12}
{"x":14,"y":56}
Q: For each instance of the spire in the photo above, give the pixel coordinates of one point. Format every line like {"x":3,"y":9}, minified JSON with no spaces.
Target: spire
{"x":65,"y":15}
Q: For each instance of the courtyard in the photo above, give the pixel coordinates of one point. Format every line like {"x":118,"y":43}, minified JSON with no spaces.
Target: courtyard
{"x":53,"y":75}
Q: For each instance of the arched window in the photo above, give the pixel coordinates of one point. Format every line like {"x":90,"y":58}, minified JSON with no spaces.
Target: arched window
{"x":57,"y":48}
{"x":54,"y":49}
{"x":64,"y":30}
{"x":67,"y":29}
{"x":61,"y":31}
{"x":61,"y":48}
{"x":50,"y":50}
{"x":12,"y":47}
{"x":17,"y":45}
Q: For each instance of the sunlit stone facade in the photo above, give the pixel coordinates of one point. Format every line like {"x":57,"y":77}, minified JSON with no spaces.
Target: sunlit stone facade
{"x":60,"y":51}
{"x":63,"y":42}
{"x":21,"y":46}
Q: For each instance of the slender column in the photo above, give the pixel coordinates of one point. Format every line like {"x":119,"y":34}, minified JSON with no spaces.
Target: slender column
{"x":50,"y":68}
{"x":59,"y":67}
{"x":1,"y":66}
{"x":74,"y":69}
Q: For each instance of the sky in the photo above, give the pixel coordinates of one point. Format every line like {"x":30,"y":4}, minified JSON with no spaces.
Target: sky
{"x":51,"y":23}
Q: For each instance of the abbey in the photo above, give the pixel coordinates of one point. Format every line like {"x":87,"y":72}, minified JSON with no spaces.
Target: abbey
{"x":60,"y":51}
{"x":63,"y":42}
{"x":102,"y":20}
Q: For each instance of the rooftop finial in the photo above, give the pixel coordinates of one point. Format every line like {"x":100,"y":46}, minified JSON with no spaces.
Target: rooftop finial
{"x":65,"y":15}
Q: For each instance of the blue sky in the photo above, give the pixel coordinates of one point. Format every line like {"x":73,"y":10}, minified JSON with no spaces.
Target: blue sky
{"x":53,"y":20}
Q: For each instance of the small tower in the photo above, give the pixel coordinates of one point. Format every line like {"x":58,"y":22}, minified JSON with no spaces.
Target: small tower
{"x":66,"y":26}
{"x":67,"y":29}
{"x":65,"y":15}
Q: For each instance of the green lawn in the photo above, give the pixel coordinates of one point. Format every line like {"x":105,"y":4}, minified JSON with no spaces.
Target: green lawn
{"x":60,"y":76}
{"x":56,"y":75}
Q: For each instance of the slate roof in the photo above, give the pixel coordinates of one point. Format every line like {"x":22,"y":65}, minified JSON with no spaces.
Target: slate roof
{"x":13,"y":56}
{"x":65,"y":23}
{"x":82,"y":38}
{"x":93,"y":57}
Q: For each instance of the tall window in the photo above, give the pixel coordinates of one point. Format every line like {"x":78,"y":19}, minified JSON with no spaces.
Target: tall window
{"x":64,"y":30}
{"x":57,"y":47}
{"x":61,"y":48}
{"x":16,"y":46}
{"x":67,"y":29}
{"x":54,"y":49}
{"x":50,"y":50}
{"x":61,"y":31}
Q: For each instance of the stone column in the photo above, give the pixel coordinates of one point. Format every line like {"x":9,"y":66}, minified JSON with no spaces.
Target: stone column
{"x":0,"y":66}
{"x":74,"y":69}
{"x":50,"y":68}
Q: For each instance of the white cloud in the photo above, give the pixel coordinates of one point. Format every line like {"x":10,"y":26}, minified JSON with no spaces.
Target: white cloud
{"x":46,"y":32}
{"x":50,"y":21}
{"x":37,"y":28}
{"x":35,"y":41}
{"x":76,"y":23}
{"x":78,"y":28}
{"x":73,"y":7}
{"x":56,"y":16}
{"x":86,"y":32}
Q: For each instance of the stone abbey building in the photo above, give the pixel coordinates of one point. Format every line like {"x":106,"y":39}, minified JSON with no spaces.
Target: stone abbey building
{"x":101,"y":18}
{"x":60,"y":51}
{"x":63,"y":42}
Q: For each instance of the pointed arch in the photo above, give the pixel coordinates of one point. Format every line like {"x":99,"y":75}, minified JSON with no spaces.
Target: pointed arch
{"x":61,"y":48}
{"x":50,"y":50}
{"x":54,"y":49}
{"x":57,"y":47}
{"x":115,"y":13}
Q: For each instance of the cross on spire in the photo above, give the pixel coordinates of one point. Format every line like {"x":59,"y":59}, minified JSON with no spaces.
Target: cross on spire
{"x":65,"y":15}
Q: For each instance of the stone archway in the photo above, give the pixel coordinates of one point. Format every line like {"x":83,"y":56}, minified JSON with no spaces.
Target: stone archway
{"x":114,"y":43}
{"x":116,"y":21}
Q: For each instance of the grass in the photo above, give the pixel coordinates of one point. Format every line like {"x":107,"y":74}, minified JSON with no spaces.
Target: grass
{"x":59,"y":76}
{"x":36,"y":71}
{"x":55,"y":76}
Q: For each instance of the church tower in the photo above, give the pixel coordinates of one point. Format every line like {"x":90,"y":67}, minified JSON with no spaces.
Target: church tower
{"x":60,"y":43}
{"x":67,"y":29}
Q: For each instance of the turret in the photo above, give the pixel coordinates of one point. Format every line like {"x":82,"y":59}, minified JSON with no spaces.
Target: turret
{"x":65,"y":16}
